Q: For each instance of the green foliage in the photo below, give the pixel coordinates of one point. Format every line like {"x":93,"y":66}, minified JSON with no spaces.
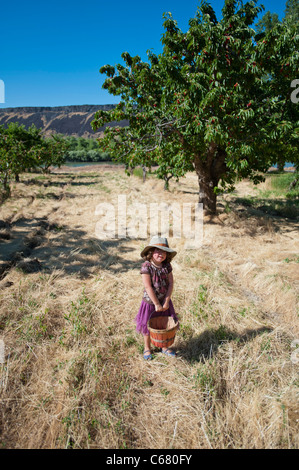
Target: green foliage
{"x":22,"y":150}
{"x":281,"y":182}
{"x":49,"y":152}
{"x":84,"y":150}
{"x":280,"y":199}
{"x":292,"y":11}
{"x":267,"y":22}
{"x":86,"y":156}
{"x":217,"y":99}
{"x":15,"y":151}
{"x":286,"y":185}
{"x":286,"y":149}
{"x":270,"y":20}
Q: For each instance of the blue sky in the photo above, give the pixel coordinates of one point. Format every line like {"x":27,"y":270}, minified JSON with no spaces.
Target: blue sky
{"x":51,"y":52}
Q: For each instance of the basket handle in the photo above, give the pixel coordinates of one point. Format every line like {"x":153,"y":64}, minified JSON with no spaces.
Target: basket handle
{"x":155,"y":311}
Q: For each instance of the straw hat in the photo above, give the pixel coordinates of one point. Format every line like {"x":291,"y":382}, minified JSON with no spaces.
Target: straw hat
{"x":158,"y":242}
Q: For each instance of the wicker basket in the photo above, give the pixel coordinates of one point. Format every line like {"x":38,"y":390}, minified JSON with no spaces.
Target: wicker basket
{"x":162,"y":331}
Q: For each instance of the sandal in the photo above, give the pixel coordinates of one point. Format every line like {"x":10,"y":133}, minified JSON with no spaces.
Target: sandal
{"x":169,"y":352}
{"x":147,"y":357}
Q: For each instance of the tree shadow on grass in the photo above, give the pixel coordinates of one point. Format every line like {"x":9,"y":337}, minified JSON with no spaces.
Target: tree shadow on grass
{"x":257,"y":217}
{"x":85,"y":257}
{"x":274,"y":207}
{"x":60,"y":183}
{"x":201,"y":348}
{"x":35,"y":245}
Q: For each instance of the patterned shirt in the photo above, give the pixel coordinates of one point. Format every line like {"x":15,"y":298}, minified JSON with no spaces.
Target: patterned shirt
{"x":159,"y":280}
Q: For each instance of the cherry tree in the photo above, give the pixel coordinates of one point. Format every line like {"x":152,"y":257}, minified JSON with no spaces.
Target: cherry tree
{"x":215,"y":100}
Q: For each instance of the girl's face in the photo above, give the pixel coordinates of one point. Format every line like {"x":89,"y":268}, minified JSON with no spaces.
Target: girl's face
{"x":159,"y":256}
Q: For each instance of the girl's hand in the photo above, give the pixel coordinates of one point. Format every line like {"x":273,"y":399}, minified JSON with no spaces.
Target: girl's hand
{"x":158,"y":308}
{"x":166,"y":305}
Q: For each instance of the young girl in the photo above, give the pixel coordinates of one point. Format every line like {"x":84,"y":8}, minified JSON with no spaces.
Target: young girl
{"x":157,"y":279}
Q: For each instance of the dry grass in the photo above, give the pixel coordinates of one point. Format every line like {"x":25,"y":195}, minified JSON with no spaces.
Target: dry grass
{"x":73,"y":374}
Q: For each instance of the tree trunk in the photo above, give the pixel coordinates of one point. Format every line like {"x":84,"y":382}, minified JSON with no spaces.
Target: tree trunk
{"x":143,"y":173}
{"x":6,"y":187}
{"x":280,"y":166}
{"x":209,"y":168}
{"x":206,"y":194}
{"x":166,"y":182}
{"x":293,"y":184}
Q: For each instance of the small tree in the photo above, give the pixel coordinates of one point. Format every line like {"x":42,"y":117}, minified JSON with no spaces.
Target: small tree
{"x":22,"y":150}
{"x":49,"y":152}
{"x":171,"y":163}
{"x":217,"y":96}
{"x":9,"y":148}
{"x":21,"y":141}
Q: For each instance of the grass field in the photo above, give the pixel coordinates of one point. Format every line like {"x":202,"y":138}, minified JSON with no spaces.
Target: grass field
{"x":73,"y":375}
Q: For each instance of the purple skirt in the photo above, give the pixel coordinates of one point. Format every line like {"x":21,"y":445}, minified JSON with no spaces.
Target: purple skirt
{"x":145,"y":312}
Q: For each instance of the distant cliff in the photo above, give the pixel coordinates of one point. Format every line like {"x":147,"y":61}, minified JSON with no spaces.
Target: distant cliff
{"x":67,"y":120}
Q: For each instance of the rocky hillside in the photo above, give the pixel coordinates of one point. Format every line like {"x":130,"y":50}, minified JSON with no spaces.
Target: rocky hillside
{"x":68,"y":120}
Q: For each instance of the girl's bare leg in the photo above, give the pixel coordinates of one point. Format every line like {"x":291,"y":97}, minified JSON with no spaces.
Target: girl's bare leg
{"x":147,"y":343}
